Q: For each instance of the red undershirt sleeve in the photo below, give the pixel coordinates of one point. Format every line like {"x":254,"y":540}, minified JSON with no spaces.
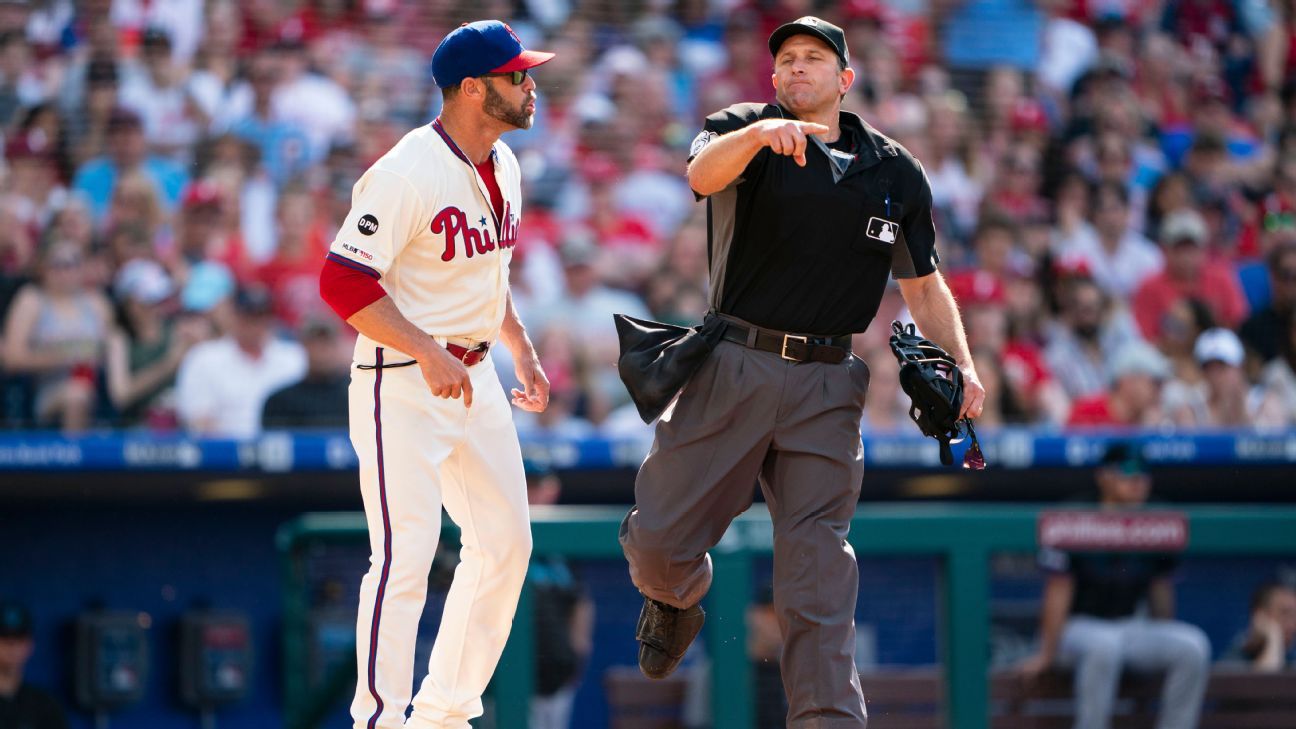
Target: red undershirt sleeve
{"x":347,"y":286}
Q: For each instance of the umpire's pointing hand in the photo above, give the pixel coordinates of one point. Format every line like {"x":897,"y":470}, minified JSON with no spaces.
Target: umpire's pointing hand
{"x":787,"y":136}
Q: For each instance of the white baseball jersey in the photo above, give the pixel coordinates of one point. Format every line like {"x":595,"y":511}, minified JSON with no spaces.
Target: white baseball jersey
{"x":421,"y":222}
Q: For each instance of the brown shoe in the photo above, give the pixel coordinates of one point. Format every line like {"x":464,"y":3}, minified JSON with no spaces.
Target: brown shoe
{"x":664,"y":634}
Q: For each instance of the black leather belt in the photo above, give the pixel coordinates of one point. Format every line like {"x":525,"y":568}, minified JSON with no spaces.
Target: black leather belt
{"x":791,"y":347}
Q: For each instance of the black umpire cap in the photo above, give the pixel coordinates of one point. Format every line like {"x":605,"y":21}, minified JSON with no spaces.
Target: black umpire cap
{"x":810,"y":25}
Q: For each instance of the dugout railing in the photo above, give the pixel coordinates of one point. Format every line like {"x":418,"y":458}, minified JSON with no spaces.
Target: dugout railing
{"x":963,"y":537}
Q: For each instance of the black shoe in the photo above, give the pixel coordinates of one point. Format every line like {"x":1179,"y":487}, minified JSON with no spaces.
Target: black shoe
{"x":664,"y":634}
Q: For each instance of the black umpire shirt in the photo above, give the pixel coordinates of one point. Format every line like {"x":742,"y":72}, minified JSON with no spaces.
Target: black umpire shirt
{"x":808,"y":249}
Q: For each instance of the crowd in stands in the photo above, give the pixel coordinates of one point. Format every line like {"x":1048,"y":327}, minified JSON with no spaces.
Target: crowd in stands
{"x":1114,"y":188}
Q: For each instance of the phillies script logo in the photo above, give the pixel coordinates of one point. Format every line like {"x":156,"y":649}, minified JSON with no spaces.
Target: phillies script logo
{"x":453,"y":222}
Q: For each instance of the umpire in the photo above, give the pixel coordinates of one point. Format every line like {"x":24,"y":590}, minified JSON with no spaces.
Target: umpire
{"x":809,"y":208}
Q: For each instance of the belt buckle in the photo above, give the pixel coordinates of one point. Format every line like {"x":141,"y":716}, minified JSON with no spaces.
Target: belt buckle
{"x":476,"y":354}
{"x":791,"y":337}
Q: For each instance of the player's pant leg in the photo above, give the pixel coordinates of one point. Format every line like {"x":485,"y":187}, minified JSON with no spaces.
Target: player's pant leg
{"x":700,"y":473}
{"x":484,"y":489}
{"x":1096,"y":650}
{"x":812,"y":482}
{"x":1183,"y":652}
{"x":400,"y":448}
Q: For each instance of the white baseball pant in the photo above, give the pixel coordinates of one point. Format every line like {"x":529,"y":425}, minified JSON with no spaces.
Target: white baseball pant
{"x":419,"y":452}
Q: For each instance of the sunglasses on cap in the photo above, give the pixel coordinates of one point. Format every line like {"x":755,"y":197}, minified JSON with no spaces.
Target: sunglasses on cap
{"x":515,"y":77}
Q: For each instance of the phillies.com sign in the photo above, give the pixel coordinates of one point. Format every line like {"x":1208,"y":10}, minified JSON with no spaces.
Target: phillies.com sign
{"x":1099,"y":530}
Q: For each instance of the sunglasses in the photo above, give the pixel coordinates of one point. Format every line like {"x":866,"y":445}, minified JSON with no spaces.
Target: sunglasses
{"x":515,"y":77}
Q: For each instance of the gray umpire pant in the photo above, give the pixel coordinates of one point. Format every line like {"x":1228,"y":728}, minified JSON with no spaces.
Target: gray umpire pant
{"x":750,"y":415}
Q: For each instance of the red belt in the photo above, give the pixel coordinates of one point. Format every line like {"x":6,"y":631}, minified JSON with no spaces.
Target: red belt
{"x":469,"y":357}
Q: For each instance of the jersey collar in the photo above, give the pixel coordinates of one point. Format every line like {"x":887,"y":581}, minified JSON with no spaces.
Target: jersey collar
{"x":481,"y":185}
{"x":445,"y":137}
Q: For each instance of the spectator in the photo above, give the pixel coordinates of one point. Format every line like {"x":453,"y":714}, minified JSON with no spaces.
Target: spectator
{"x":127,"y":151}
{"x":566,"y":368}
{"x":161,"y":95}
{"x":586,"y":312}
{"x":1278,"y":383}
{"x":223,"y":384}
{"x":1182,"y":324}
{"x":292,"y":273}
{"x":135,"y":204}
{"x":1188,"y":274}
{"x":55,"y":331}
{"x":319,"y":400}
{"x":1215,"y":28}
{"x":22,"y":705}
{"x":1266,"y":645}
{"x":17,"y":252}
{"x":204,"y":236}
{"x":888,"y":405}
{"x":1171,"y":193}
{"x":145,"y":352}
{"x":385,"y":70}
{"x":20,"y":80}
{"x":181,"y":20}
{"x":315,"y":103}
{"x":285,"y":149}
{"x":1091,"y":621}
{"x":71,"y":222}
{"x":1227,"y":394}
{"x":564,"y":618}
{"x":1138,"y":373}
{"x":1088,"y":333}
{"x":88,"y":121}
{"x":995,"y":258}
{"x":1015,"y":192}
{"x":217,"y":61}
{"x":1025,"y":390}
{"x":952,"y":163}
{"x":1119,"y":258}
{"x":677,"y":292}
{"x":1263,"y":331}
{"x":33,"y":176}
